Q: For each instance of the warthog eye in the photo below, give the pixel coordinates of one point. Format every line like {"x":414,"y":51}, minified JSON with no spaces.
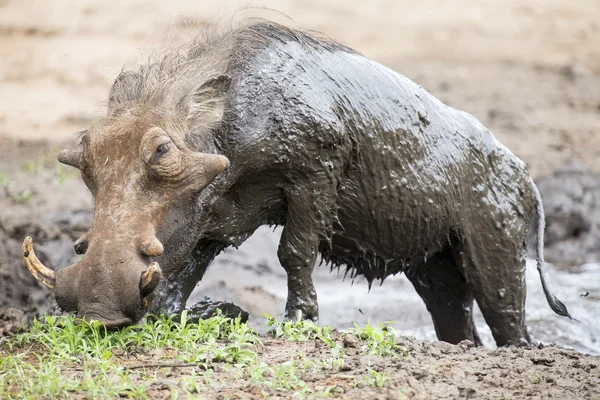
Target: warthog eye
{"x":160,"y":150}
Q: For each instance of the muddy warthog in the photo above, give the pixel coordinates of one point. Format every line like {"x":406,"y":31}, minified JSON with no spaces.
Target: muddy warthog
{"x":267,"y":125}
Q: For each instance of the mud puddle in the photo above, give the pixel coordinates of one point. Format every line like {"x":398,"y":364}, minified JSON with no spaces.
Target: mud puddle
{"x":252,"y":277}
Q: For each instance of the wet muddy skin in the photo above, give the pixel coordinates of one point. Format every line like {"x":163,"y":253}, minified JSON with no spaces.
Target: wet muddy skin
{"x":358,"y":163}
{"x":366,"y":168}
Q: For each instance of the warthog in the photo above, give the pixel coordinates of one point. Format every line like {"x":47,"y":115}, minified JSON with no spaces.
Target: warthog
{"x":267,"y":125}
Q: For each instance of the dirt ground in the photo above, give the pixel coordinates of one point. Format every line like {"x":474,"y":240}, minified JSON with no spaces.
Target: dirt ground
{"x":529,"y":72}
{"x":429,"y":371}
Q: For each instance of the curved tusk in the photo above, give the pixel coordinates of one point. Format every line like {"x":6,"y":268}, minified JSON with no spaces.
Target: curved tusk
{"x":149,"y":281}
{"x":43,"y":274}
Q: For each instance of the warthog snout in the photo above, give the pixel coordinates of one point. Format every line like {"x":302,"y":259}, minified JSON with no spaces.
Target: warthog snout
{"x":102,"y":291}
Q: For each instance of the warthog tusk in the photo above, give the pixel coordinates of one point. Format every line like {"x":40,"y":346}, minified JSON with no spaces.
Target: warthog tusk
{"x":149,"y":281}
{"x":43,"y":274}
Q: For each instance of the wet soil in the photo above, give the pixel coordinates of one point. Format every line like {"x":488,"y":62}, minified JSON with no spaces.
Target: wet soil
{"x":421,"y":370}
{"x":33,"y":202}
{"x":436,"y":371}
{"x":571,"y":198}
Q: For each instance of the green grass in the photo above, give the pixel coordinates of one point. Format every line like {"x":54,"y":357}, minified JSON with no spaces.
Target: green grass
{"x":380,"y":340}
{"x":23,"y":197}
{"x":373,"y":378}
{"x":63,"y":173}
{"x":34,"y":167}
{"x":299,"y":330}
{"x":59,"y":357}
{"x":8,"y":185}
{"x":86,"y":352}
{"x":4,"y":181}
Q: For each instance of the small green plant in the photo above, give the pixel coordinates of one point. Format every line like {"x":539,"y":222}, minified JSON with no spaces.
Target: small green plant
{"x":90,"y":346}
{"x":534,"y":378}
{"x":192,"y":383}
{"x":299,"y":330}
{"x":32,"y":166}
{"x":61,"y":357}
{"x":4,"y":181}
{"x":429,"y":367}
{"x":285,"y":377}
{"x":47,"y":379}
{"x":336,"y":361}
{"x":23,"y":197}
{"x":380,"y":340}
{"x":373,"y":378}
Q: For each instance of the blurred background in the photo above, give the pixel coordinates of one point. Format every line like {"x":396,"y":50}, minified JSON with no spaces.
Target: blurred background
{"x":530,"y":71}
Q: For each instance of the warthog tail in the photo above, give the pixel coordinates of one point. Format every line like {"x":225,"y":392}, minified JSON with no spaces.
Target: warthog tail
{"x":555,"y":304}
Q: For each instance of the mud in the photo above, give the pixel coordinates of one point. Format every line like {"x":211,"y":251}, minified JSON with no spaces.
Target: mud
{"x":571,"y":197}
{"x":438,"y":371}
{"x":21,"y":291}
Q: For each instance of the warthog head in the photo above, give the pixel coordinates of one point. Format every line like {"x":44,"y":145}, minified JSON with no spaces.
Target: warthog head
{"x":140,"y":169}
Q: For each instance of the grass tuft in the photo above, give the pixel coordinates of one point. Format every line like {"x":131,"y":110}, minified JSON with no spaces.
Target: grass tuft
{"x":380,"y":339}
{"x":60,"y":356}
{"x":86,"y":351}
{"x":299,"y":330}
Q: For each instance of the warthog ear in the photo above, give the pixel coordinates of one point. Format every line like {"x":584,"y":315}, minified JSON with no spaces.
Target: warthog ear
{"x":70,"y":157}
{"x":126,"y":88}
{"x":207,"y":103}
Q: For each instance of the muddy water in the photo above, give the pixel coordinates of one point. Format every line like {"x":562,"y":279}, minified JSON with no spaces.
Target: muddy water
{"x":252,"y":277}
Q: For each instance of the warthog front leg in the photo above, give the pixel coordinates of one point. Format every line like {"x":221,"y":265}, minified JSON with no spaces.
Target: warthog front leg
{"x":308,"y":221}
{"x":298,"y":258}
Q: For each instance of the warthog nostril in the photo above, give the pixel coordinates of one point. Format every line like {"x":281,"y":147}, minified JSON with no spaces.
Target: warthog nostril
{"x":80,"y":246}
{"x":152,"y":247}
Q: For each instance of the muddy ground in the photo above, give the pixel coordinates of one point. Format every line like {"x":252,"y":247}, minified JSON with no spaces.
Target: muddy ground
{"x":429,"y":371}
{"x":531,"y":73}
